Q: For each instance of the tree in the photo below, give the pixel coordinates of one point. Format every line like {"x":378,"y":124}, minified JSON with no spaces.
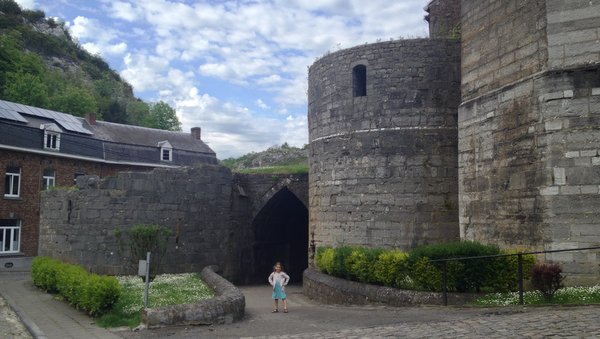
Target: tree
{"x":10,"y":7}
{"x":26,"y":88}
{"x":163,"y":117}
{"x":138,"y":113}
{"x":74,"y":100}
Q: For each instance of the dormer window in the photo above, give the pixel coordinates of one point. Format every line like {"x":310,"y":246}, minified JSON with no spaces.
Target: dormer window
{"x":51,"y":136}
{"x":166,"y":151}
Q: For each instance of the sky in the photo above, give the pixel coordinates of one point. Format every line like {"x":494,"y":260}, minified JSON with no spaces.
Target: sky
{"x":236,"y":69}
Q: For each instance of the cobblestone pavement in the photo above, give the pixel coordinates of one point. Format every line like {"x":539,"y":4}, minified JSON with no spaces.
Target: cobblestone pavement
{"x":10,"y":324}
{"x":308,"y":319}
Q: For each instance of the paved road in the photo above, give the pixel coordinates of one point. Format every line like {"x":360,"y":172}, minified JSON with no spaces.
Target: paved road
{"x":308,"y":319}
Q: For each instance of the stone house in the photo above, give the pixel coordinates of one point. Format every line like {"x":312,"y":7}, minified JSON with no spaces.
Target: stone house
{"x":40,"y":149}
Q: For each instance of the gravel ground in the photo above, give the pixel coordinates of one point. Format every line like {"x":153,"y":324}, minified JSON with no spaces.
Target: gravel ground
{"x":10,"y":325}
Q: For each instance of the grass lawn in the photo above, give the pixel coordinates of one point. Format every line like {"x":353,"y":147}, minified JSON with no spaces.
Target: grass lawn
{"x":166,"y":289}
{"x":564,"y":296}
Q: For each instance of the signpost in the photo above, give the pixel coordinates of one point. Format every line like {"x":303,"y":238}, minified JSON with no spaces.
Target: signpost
{"x":144,"y":271}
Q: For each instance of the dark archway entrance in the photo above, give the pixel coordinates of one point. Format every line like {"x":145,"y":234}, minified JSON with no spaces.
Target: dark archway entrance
{"x":281,"y":234}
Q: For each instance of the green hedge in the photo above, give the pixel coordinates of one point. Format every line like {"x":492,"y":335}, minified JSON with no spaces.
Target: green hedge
{"x":418,"y":269}
{"x":92,"y":293}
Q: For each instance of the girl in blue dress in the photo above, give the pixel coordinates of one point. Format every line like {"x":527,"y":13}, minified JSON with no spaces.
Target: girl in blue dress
{"x":278,"y":279}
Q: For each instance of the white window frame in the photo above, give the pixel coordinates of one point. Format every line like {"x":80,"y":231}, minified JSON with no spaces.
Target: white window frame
{"x":166,"y":149}
{"x":13,"y":234}
{"x":48,"y":180}
{"x":51,"y":137}
{"x":10,"y":179}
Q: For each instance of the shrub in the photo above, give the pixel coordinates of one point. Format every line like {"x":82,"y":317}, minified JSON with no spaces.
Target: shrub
{"x":43,"y":273}
{"x":324,"y":259}
{"x":141,"y":239}
{"x":339,"y":267}
{"x":99,"y":294}
{"x":547,"y":278}
{"x":360,"y":264}
{"x":425,"y":275}
{"x":462,"y":275}
{"x":69,"y":282}
{"x":91,"y":293}
{"x":504,"y":276}
{"x":391,"y":269}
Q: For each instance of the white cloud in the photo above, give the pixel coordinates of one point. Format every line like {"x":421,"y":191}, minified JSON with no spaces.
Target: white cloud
{"x":261,"y":104}
{"x":28,"y":4}
{"x":264,"y":46}
{"x":124,"y":10}
{"x":98,"y":39}
{"x":145,"y":72}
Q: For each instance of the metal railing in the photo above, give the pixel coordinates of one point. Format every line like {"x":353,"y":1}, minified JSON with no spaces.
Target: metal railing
{"x":520,"y":267}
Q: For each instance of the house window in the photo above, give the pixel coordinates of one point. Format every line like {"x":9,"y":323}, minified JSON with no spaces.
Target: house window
{"x":12,"y":181}
{"x":166,"y":154}
{"x":48,"y":179}
{"x":166,"y":151}
{"x":359,"y":80}
{"x":10,"y":233}
{"x":51,"y":136}
{"x":52,"y":140}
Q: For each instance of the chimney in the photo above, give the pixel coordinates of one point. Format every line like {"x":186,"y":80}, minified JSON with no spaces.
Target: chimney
{"x":196,"y":133}
{"x":91,"y":118}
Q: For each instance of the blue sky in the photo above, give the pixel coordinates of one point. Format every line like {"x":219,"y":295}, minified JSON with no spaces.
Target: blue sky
{"x":237,"y":69}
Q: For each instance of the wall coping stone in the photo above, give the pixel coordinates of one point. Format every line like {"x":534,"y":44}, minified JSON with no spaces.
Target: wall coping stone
{"x":332,"y":290}
{"x":227,"y":306}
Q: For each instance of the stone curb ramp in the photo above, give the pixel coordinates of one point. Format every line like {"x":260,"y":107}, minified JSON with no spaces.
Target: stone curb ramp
{"x":331,"y":290}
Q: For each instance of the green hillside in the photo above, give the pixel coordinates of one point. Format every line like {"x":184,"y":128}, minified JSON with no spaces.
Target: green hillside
{"x":41,"y":65}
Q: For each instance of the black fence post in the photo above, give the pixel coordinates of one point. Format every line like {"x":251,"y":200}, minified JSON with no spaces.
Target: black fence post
{"x":520,"y":272}
{"x":445,"y":283}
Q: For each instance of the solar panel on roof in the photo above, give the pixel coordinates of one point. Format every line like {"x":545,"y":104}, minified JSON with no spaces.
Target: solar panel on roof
{"x":67,"y":121}
{"x":11,"y":115}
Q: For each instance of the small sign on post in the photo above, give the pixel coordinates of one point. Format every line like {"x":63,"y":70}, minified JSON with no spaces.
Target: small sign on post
{"x":144,"y":271}
{"x":142,"y":268}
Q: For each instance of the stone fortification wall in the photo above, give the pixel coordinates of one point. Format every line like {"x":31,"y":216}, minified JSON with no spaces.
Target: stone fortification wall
{"x":528,"y":138}
{"x":195,"y":203}
{"x":502,"y":42}
{"x":569,"y":144}
{"x":383,"y":164}
{"x":444,"y":18}
{"x":573,"y":33}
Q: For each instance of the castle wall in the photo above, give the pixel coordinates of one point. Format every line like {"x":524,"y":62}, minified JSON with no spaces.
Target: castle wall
{"x":194,"y":203}
{"x":444,"y":19}
{"x":573,"y":32}
{"x":528,"y":130}
{"x":569,"y":146}
{"x":502,"y":42}
{"x":383,"y":165}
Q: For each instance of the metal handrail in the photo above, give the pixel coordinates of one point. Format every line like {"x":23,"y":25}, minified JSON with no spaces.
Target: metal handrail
{"x":520,"y":267}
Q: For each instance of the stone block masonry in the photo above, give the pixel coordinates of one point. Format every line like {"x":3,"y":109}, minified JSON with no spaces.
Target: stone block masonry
{"x":528,"y":127}
{"x":194,"y":203}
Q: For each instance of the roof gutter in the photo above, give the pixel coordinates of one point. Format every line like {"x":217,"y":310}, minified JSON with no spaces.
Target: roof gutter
{"x":78,"y":157}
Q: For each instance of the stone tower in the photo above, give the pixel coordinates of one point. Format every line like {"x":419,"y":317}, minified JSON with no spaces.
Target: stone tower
{"x":383,"y":144}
